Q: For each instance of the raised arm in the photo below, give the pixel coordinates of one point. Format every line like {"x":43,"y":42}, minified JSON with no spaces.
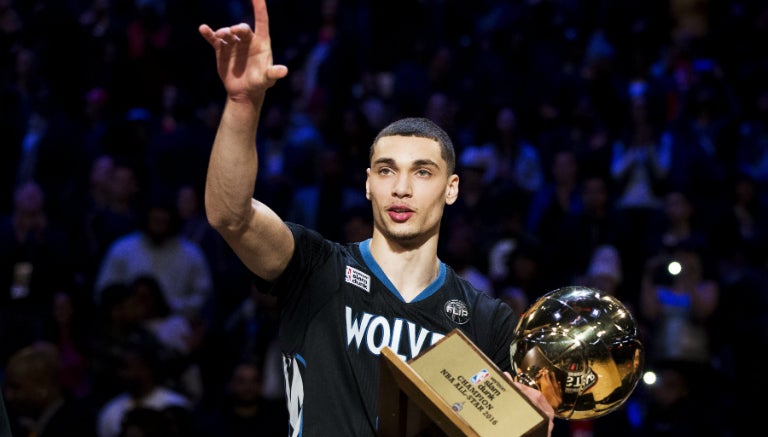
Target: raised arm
{"x":244,"y":63}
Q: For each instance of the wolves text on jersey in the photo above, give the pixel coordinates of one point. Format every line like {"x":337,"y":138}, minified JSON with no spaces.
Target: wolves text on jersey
{"x":374,"y":332}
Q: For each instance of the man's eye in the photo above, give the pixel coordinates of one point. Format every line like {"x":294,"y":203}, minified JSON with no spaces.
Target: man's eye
{"x":385,"y":170}
{"x":423,"y":172}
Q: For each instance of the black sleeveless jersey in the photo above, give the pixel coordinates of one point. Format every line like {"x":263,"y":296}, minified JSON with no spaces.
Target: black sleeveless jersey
{"x":339,"y":311}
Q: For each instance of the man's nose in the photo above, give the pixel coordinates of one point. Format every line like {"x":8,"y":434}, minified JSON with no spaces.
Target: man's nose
{"x":402,"y":186}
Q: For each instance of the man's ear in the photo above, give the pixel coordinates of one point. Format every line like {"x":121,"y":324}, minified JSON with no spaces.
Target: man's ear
{"x":452,"y":190}
{"x":367,"y":189}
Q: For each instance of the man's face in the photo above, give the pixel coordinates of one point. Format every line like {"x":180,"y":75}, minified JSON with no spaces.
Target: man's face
{"x":159,"y":225}
{"x":19,"y":389}
{"x":408,"y":186}
{"x":245,"y":385}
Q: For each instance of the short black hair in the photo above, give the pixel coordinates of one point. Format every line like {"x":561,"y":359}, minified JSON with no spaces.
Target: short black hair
{"x":162,"y":308}
{"x":423,"y":128}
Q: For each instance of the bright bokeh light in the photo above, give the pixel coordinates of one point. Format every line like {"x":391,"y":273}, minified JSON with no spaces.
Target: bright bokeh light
{"x":649,"y":378}
{"x":674,"y":268}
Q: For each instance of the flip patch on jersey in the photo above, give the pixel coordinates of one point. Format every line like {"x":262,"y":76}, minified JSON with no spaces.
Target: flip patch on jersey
{"x":358,"y":279}
{"x":457,"y":310}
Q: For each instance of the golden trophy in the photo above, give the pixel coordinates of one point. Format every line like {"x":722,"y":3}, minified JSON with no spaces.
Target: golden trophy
{"x":580,"y":348}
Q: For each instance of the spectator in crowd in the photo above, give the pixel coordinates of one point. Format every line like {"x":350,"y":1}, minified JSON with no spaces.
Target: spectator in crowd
{"x":38,"y":404}
{"x":681,"y":221}
{"x":142,"y":376}
{"x":180,"y":131}
{"x":584,"y":230}
{"x":515,"y":164}
{"x":317,"y":205}
{"x":34,"y":265}
{"x":243,"y":410}
{"x":351,"y":139}
{"x":179,"y":265}
{"x":678,"y":301}
{"x":179,"y":337}
{"x":741,"y":228}
{"x":67,"y":327}
{"x":112,"y":210}
{"x":751,"y":154}
{"x":640,"y":168}
{"x":526,"y":279}
{"x":358,"y":224}
{"x":703,"y":133}
{"x":740,"y":330}
{"x":194,"y":226}
{"x":559,"y":197}
{"x":604,"y":273}
{"x":116,"y":322}
{"x":251,"y":329}
{"x":676,"y":406}
{"x":461,"y":244}
{"x":477,"y":204}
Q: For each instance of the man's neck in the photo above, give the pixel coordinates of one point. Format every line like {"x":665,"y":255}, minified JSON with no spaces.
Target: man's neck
{"x":410,"y":270}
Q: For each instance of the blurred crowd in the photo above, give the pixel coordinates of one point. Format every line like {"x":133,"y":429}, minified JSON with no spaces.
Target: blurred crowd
{"x":621,"y":145}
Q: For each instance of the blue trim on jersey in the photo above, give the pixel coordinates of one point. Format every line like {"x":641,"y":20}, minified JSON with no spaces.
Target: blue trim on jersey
{"x":301,"y":360}
{"x":301,"y":424}
{"x":365,"y":251}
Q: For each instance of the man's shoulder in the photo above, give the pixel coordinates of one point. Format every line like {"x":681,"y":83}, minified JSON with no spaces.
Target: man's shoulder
{"x":190,"y":245}
{"x":164,"y":397}
{"x":308,"y":238}
{"x":115,"y":404}
{"x":127,"y":241}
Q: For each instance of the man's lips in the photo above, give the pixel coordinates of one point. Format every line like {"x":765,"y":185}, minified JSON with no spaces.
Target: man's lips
{"x":399,"y":214}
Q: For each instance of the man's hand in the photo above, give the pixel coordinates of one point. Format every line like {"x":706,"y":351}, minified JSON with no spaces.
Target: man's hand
{"x":244,"y":56}
{"x":538,"y":399}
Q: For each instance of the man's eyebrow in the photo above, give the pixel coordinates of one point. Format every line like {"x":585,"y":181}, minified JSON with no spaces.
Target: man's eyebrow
{"x":385,"y":161}
{"x":416,"y":163}
{"x":425,"y":162}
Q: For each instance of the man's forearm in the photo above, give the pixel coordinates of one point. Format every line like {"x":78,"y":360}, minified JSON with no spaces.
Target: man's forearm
{"x":233,"y":166}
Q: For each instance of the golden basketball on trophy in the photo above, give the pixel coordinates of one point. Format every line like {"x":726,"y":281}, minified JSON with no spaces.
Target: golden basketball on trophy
{"x":581,"y":349}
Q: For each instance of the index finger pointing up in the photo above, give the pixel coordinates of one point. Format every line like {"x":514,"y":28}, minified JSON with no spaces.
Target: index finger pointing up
{"x":261,"y":19}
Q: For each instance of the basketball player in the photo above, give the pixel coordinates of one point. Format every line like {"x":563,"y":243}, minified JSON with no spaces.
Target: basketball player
{"x":343,"y":303}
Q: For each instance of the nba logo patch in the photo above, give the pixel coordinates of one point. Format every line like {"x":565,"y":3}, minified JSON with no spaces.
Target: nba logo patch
{"x":357,"y":278}
{"x":479,"y":377}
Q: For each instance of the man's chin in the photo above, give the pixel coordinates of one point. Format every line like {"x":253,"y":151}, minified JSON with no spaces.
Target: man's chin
{"x":405,"y":237}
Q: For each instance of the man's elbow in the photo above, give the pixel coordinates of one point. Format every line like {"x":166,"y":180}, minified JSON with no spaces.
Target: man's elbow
{"x":223,"y":220}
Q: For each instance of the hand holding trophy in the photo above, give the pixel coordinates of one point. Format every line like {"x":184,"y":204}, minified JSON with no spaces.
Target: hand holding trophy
{"x":581,"y":349}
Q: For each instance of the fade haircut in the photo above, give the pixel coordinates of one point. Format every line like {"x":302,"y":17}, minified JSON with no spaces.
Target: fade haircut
{"x":422,"y":128}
